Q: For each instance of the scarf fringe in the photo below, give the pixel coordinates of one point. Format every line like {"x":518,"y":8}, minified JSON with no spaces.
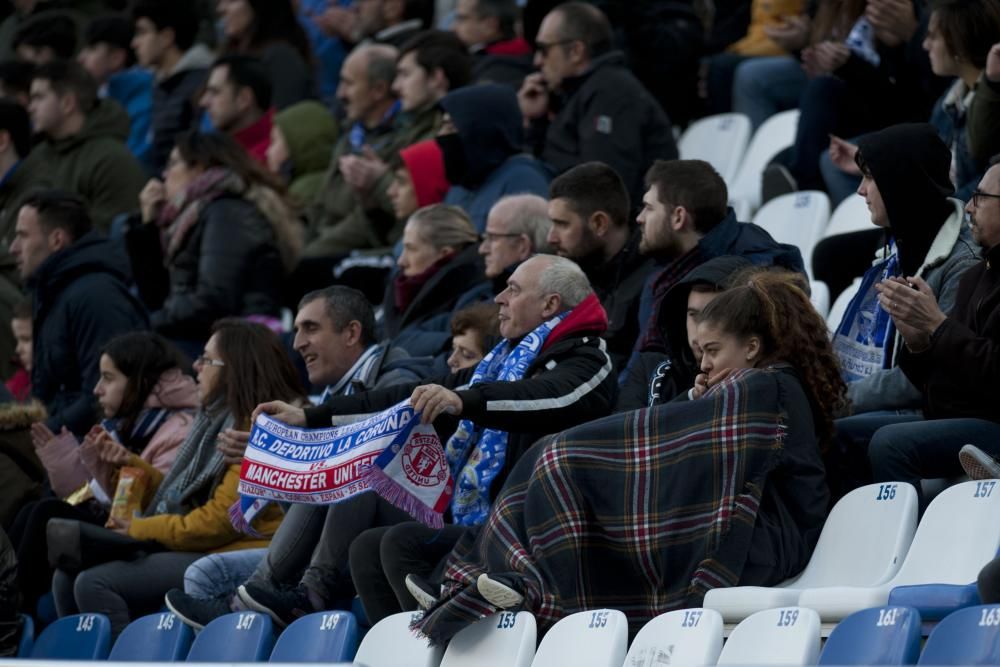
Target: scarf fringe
{"x":392,"y":491}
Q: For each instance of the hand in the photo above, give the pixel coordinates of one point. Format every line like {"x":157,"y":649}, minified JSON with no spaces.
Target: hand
{"x":338,"y":22}
{"x":993,"y":64}
{"x":362,"y":171}
{"x":232,"y":444}
{"x":117,"y":525}
{"x":700,"y":386}
{"x":914,"y":310}
{"x":282,"y":412}
{"x":842,"y":155}
{"x":533,"y":97}
{"x":112,"y":452}
{"x":431,"y":400}
{"x":42,"y":435}
{"x":824,"y":58}
{"x":893,"y":20}
{"x":151,"y":199}
{"x":791,"y":35}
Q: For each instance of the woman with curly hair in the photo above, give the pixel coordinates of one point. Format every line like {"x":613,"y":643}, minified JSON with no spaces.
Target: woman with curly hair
{"x":647,"y":510}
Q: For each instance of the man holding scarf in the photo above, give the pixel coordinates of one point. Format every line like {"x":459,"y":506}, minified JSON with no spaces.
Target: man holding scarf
{"x":550,"y":372}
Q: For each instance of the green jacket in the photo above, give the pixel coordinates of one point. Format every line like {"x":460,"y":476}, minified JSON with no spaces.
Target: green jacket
{"x":310,"y":133}
{"x":96,"y":164}
{"x":339,"y":219}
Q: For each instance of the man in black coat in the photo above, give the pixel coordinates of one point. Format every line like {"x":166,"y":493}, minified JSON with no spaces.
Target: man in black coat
{"x":587,"y":103}
{"x":79,"y":300}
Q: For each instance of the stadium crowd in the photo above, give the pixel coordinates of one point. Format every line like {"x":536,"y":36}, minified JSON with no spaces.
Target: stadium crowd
{"x":212,"y":209}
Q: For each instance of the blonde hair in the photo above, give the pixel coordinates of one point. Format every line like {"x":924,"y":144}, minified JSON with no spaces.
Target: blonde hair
{"x":444,"y":226}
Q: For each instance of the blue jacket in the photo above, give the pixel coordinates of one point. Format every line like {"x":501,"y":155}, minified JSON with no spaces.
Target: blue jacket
{"x":949,"y":118}
{"x":133,"y":89}
{"x":520,"y":174}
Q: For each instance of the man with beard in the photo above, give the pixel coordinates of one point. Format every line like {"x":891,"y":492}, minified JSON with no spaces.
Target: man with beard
{"x":589,"y":208}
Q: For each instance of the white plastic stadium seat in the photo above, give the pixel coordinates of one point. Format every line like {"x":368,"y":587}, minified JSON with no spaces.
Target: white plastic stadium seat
{"x":775,"y":135}
{"x":684,"y":638}
{"x":501,"y":640}
{"x":957,"y":536}
{"x":851,"y":215}
{"x":784,"y":636}
{"x":863,"y":543}
{"x":721,"y":140}
{"x":798,"y":218}
{"x":840,"y":305}
{"x":595,"y":638}
{"x":820,"y":297}
{"x":390,"y":643}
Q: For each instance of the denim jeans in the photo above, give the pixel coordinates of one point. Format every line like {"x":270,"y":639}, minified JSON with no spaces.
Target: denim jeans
{"x":218,"y":575}
{"x":764,"y":86}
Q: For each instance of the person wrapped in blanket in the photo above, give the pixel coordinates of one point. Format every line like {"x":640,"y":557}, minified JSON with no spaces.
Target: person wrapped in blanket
{"x":647,"y":510}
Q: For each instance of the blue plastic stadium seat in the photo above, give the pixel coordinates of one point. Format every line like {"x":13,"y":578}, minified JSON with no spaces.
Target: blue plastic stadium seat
{"x":935,"y":601}
{"x":877,"y":636}
{"x":969,"y":636}
{"x":326,"y":636}
{"x":27,"y":639}
{"x":242,"y":636}
{"x":155,"y":638}
{"x":77,"y":637}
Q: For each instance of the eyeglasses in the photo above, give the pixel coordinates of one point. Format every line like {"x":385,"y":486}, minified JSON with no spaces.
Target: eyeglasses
{"x":543,"y":48}
{"x":202,"y":360}
{"x":976,"y":194}
{"x":491,"y":237}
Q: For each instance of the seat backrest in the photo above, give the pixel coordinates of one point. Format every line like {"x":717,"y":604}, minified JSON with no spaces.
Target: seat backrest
{"x":683,"y":638}
{"x":775,"y":135}
{"x":958,"y":534}
{"x":27,"y":639}
{"x":155,"y":638}
{"x":878,"y":636}
{"x":720,"y":140}
{"x":798,"y":218}
{"x":391,"y":643}
{"x":840,"y":304}
{"x":819,"y":295}
{"x":969,"y":636}
{"x":77,"y":637}
{"x":242,"y":636}
{"x":865,"y":539}
{"x":501,"y":640}
{"x":326,"y":636}
{"x":851,"y":215}
{"x":782,"y":636}
{"x":595,"y":638}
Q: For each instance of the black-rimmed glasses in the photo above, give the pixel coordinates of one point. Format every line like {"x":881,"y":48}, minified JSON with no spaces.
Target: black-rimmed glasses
{"x":976,"y":195}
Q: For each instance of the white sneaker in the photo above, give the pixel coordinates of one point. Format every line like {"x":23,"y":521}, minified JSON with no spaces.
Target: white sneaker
{"x":498,"y":594}
{"x":422,"y":591}
{"x":978,"y":464}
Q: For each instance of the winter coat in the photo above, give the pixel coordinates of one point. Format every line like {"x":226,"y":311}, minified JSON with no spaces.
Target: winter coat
{"x":341,"y":221}
{"x":606,"y":114}
{"x":438,"y":295}
{"x":95,"y":164}
{"x":133,"y":90}
{"x":291,"y":76}
{"x":175,"y":103}
{"x":570,"y":381}
{"x":229,"y":264}
{"x":80,"y":301}
{"x":983,"y":122}
{"x":22,"y":476}
{"x":950,"y":118}
{"x":310,"y":132}
{"x":505,"y":62}
{"x":518,"y":175}
{"x":11,"y":626}
{"x":958,"y":373}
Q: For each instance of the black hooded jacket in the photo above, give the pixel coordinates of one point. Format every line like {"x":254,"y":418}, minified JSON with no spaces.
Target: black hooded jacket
{"x":911,"y":168}
{"x":656,"y":377}
{"x":80,"y":302}
{"x":489,"y":130}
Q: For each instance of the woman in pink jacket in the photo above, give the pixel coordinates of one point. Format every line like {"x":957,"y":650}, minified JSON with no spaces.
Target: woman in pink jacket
{"x":147,"y":405}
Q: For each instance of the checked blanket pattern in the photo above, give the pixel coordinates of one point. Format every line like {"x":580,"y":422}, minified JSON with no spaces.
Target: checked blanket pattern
{"x":643,"y":511}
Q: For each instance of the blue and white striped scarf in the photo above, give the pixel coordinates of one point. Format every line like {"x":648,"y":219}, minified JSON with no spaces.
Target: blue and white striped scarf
{"x":476,"y":455}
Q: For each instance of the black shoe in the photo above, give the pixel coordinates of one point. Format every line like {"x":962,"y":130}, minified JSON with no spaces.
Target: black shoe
{"x":422,"y":591}
{"x":776,"y":181}
{"x":283,"y":606}
{"x":193,"y":611}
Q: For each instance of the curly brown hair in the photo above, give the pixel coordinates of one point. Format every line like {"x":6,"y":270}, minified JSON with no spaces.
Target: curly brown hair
{"x":773,"y":305}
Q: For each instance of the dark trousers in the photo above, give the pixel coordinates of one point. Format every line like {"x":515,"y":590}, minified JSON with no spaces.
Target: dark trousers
{"x":989,"y":582}
{"x":382,"y":557}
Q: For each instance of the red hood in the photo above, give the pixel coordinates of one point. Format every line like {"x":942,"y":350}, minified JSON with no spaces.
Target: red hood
{"x":510,"y":47}
{"x":257,"y":137}
{"x":588,"y":316}
{"x":425,"y":162}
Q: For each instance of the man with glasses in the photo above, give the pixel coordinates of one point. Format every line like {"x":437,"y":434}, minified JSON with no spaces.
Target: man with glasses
{"x":598,"y":109}
{"x":953,"y":358}
{"x":516,"y":228}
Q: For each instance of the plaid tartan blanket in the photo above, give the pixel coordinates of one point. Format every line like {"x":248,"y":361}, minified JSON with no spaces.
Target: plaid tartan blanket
{"x":643,"y":511}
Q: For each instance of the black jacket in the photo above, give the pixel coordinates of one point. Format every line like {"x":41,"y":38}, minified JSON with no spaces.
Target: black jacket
{"x":438,"y":295}
{"x":959,"y":374}
{"x":606,"y":115}
{"x":229,"y":265}
{"x":80,"y":302}
{"x":175,"y":104}
{"x":570,"y":382}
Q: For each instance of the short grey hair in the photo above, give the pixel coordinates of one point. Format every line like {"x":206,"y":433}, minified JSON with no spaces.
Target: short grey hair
{"x":529,"y":215}
{"x":381,"y":65}
{"x":564,"y":277}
